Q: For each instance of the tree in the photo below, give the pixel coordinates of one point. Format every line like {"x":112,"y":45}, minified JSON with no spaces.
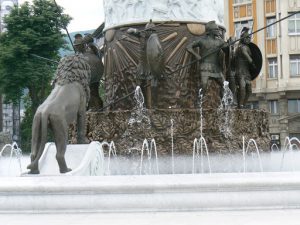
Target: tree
{"x":31,"y":30}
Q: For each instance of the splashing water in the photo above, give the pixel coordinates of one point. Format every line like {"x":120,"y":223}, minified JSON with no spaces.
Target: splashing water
{"x":139,"y":114}
{"x":274,"y":147}
{"x":149,"y":156}
{"x":14,"y":150}
{"x":200,"y":96}
{"x":290,"y":144}
{"x":111,"y":153}
{"x":172,"y":145}
{"x":198,"y":146}
{"x":97,"y":164}
{"x":246,"y":150}
{"x":224,"y":111}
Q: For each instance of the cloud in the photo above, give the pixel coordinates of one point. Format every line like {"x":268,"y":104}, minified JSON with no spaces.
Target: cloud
{"x":87,"y":14}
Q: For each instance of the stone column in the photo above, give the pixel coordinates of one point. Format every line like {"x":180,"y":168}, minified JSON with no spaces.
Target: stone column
{"x":283,"y":105}
{"x":284,"y":131}
{"x":283,"y":112}
{"x":263,"y":103}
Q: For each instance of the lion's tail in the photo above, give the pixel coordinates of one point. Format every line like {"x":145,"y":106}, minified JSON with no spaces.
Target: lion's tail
{"x":36,"y":133}
{"x":43,"y":136}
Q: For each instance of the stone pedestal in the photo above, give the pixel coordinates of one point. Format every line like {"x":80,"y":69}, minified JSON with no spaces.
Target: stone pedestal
{"x":113,"y":126}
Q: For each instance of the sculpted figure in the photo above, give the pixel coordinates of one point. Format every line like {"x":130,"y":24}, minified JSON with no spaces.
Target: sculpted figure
{"x":243,"y":65}
{"x":230,"y":69}
{"x":78,"y":36}
{"x":79,"y":44}
{"x":87,"y":47}
{"x":91,"y":47}
{"x":210,"y":65}
{"x":151,"y":62}
{"x":95,"y":61}
{"x":65,"y":104}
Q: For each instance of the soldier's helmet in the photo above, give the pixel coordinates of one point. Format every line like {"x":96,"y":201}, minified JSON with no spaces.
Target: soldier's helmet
{"x":78,"y":42}
{"x":79,"y":45}
{"x":78,"y":36}
{"x":244,"y":32}
{"x":150,"y":26}
{"x":245,"y":36}
{"x":211,"y":26}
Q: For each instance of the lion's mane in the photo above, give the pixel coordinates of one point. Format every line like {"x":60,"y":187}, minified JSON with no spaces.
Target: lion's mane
{"x":74,"y":68}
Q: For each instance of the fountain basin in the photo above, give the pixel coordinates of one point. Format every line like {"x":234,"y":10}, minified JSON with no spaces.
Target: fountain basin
{"x":150,"y":193}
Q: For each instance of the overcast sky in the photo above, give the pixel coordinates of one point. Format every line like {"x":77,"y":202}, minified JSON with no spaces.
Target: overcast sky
{"x":87,"y":14}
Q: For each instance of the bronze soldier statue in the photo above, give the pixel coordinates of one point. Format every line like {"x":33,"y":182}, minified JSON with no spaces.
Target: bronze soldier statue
{"x":87,"y":47}
{"x":151,"y":62}
{"x":243,"y":65}
{"x":210,"y":65}
{"x":230,"y":69}
{"x":78,"y":36}
{"x":96,"y":65}
{"x":91,"y":46}
{"x":79,"y":45}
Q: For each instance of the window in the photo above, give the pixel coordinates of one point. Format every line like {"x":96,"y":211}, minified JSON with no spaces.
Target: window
{"x":8,"y":8}
{"x":294,"y":24}
{"x":252,"y":105}
{"x":7,"y":117}
{"x":295,"y":65}
{"x":241,"y":1}
{"x":295,"y":143}
{"x":275,"y":141}
{"x":294,"y":105}
{"x":242,"y":10}
{"x":273,"y":68}
{"x":270,"y":6}
{"x":275,"y":136}
{"x":296,"y":135}
{"x":271,"y":30}
{"x":236,"y":11}
{"x":249,"y":10}
{"x":273,"y":106}
{"x":238,"y":26}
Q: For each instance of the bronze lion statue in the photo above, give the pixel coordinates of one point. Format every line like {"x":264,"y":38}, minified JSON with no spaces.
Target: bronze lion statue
{"x":66,"y":103}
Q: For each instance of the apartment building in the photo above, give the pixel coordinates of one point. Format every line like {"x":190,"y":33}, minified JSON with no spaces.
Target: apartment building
{"x":7,"y":118}
{"x":5,"y":8}
{"x":277,"y":88}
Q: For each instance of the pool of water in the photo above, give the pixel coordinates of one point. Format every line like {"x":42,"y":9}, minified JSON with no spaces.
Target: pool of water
{"x":226,"y":163}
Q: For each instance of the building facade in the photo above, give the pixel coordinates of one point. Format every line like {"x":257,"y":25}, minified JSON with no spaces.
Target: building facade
{"x":5,"y":8}
{"x":7,"y":111}
{"x":277,"y":89}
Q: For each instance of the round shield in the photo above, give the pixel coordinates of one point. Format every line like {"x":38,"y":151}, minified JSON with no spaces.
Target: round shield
{"x":257,"y":60}
{"x":155,"y":57}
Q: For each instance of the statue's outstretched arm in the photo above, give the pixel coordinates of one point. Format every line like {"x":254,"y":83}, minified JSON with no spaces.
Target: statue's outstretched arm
{"x":190,"y":49}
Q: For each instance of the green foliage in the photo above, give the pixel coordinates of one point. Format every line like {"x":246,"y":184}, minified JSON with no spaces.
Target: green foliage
{"x":31,"y":30}
{"x":26,"y":125}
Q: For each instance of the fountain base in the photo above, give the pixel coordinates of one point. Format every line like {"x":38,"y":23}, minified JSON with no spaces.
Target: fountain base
{"x":153,"y":193}
{"x":113,"y":126}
